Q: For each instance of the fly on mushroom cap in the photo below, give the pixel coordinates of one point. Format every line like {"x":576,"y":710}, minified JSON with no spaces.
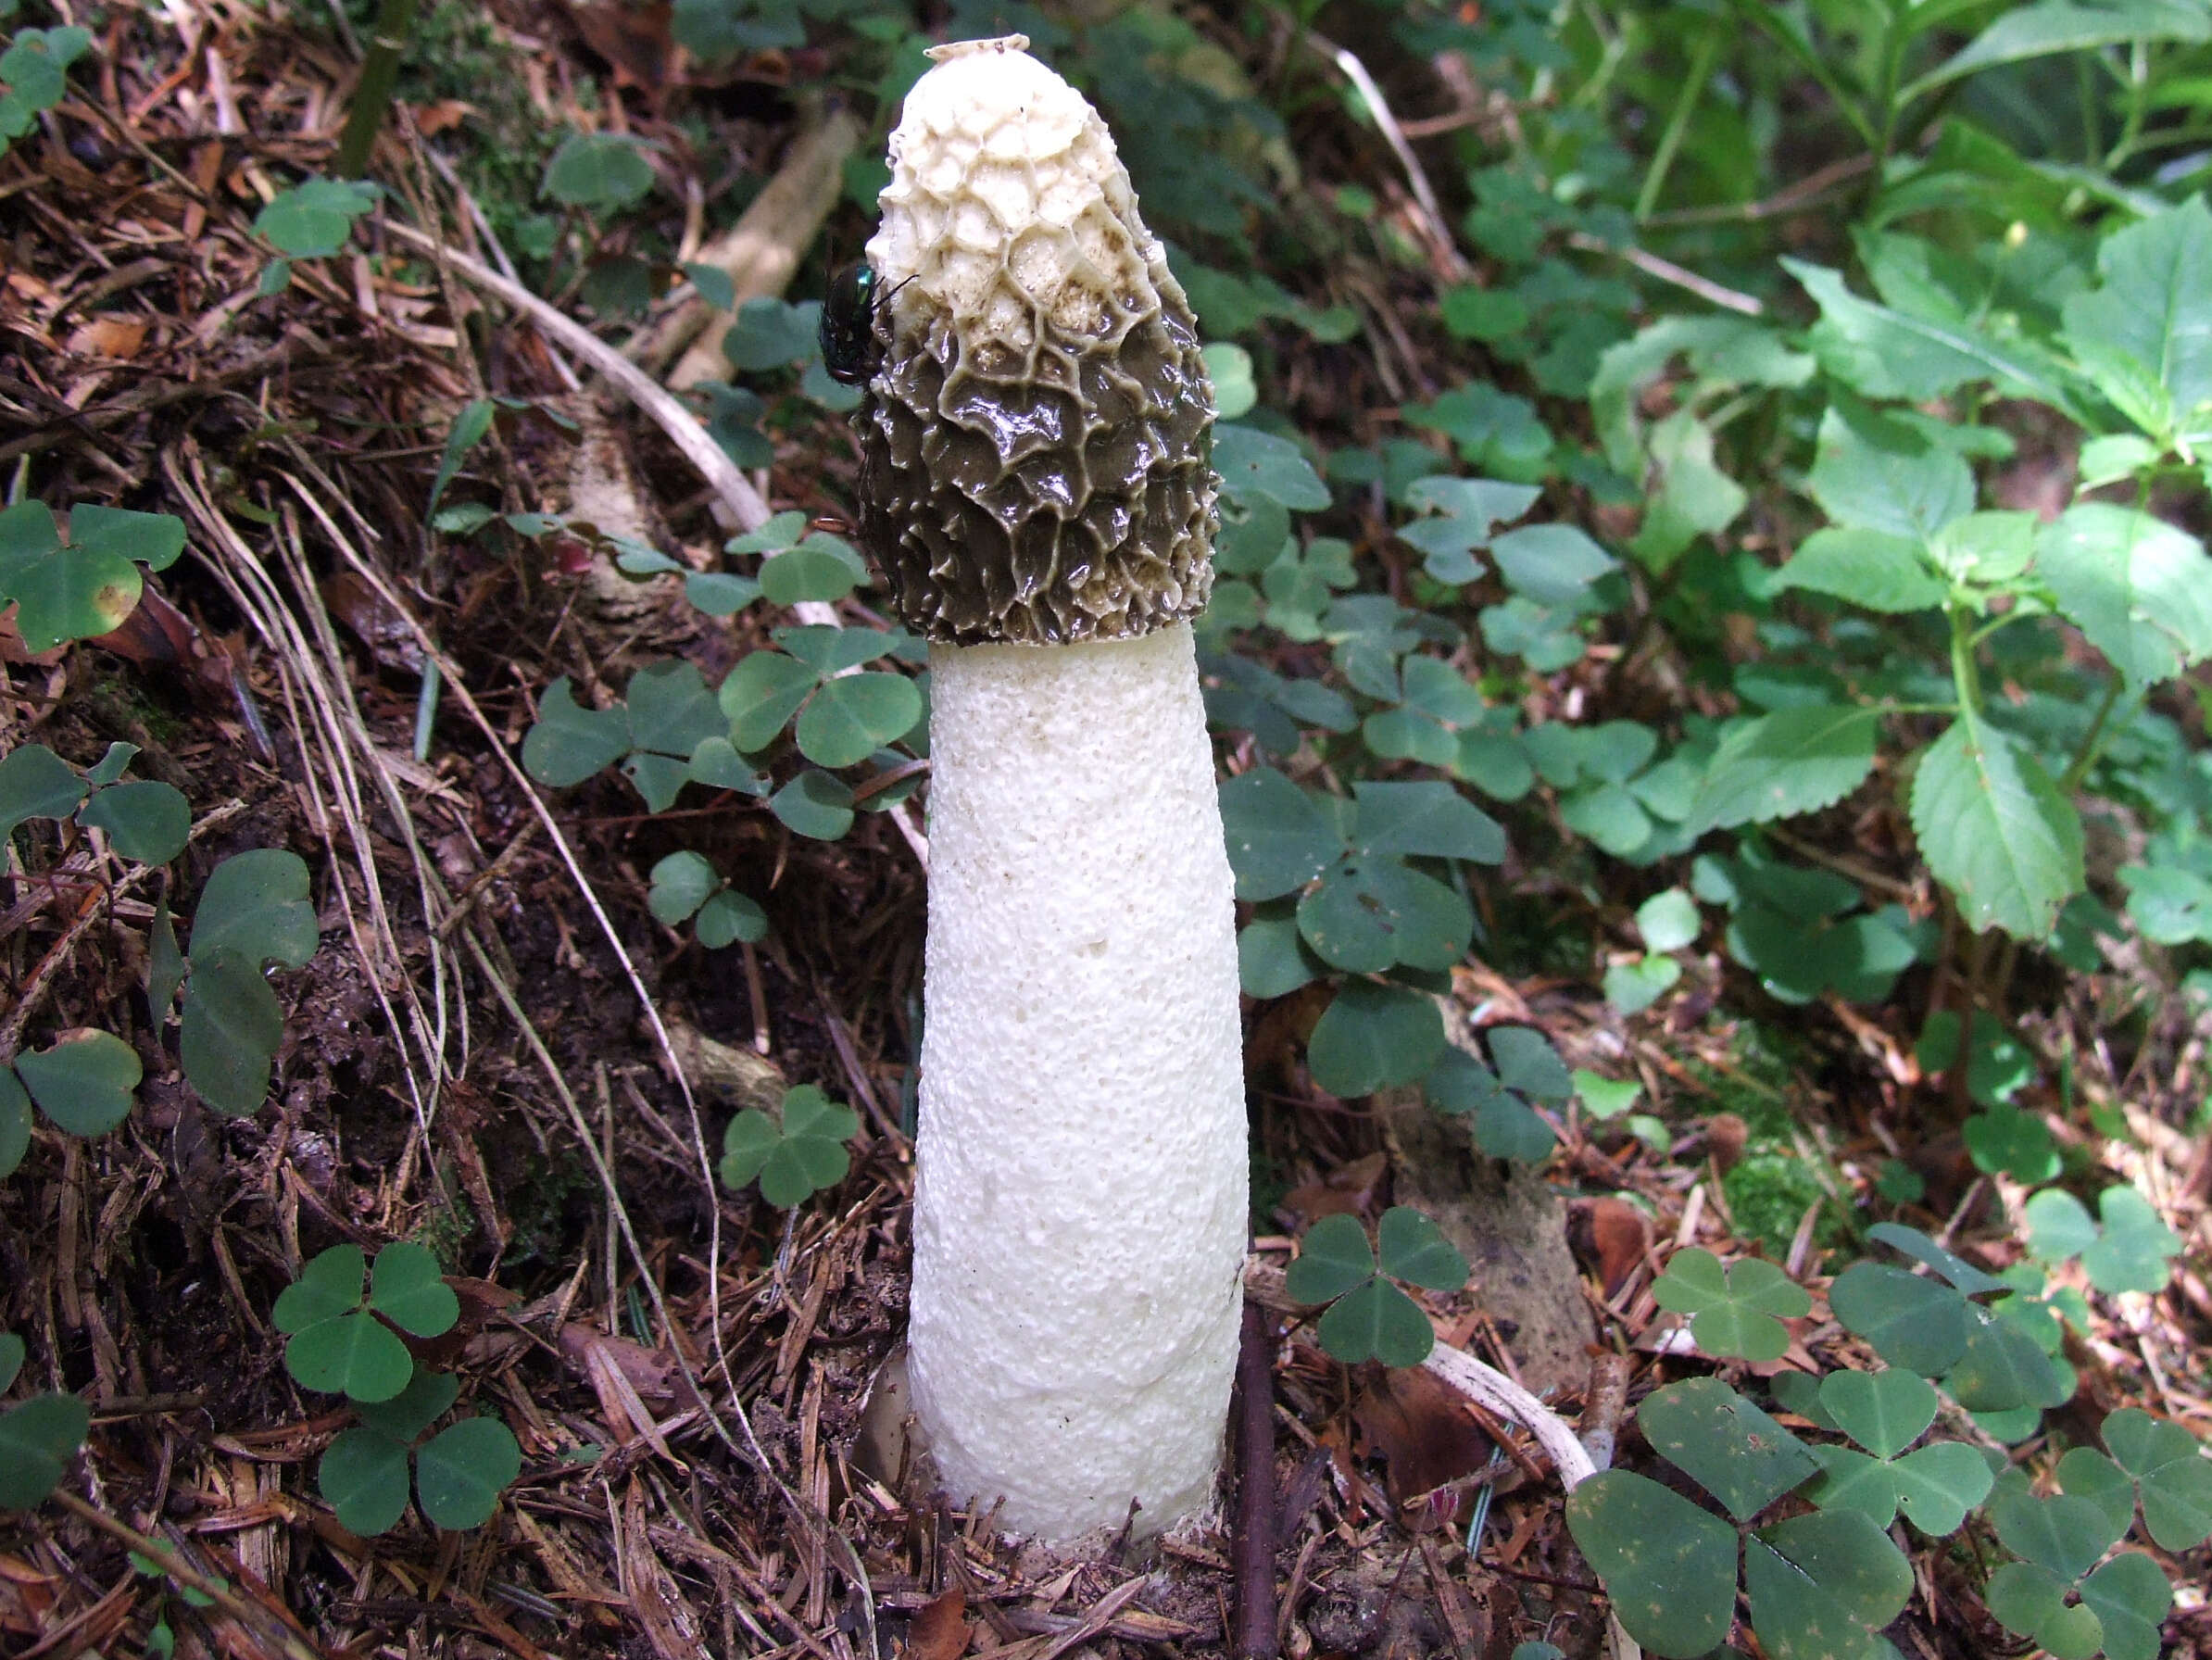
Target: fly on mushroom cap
{"x":1035,"y":446}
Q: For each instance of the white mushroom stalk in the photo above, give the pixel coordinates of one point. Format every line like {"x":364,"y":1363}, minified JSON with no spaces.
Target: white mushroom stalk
{"x":1037,"y":483}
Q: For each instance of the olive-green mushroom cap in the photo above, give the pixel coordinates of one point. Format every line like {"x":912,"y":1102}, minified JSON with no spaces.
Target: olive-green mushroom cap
{"x":1035,"y":445}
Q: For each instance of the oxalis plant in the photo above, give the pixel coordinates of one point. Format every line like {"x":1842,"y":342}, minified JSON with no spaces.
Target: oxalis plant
{"x":1806,"y":1529}
{"x":252,"y":910}
{"x":343,"y":1339}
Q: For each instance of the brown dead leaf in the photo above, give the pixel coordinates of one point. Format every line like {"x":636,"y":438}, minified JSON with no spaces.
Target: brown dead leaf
{"x":1609,"y":1235}
{"x":1423,"y":1433}
{"x":373,"y":622}
{"x":443,"y":116}
{"x":655,"y":1375}
{"x":114,"y":335}
{"x":940,"y":1630}
{"x":635,"y":39}
{"x":1345,"y":1191}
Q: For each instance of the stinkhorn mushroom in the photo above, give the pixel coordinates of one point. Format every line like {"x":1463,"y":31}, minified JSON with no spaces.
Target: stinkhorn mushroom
{"x":1036,"y":480}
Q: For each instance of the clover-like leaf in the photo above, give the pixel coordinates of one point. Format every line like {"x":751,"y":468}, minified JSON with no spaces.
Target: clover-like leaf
{"x":1668,"y":1567}
{"x":1805,"y":1571}
{"x":820,"y":568}
{"x":1884,"y":1412}
{"x":84,"y":1082}
{"x":803,"y":1154}
{"x":1279,"y":838}
{"x":409,"y":1288}
{"x":1376,"y":1321}
{"x":1526,"y":1063}
{"x":570,"y":743}
{"x":760,"y":695}
{"x":463,"y":1469}
{"x":815,"y":804}
{"x":11,"y":1359}
{"x":1413,"y":1248}
{"x":2172,"y":1476}
{"x":728,"y":918}
{"x":363,"y":1477}
{"x":1724,"y":1444}
{"x":232,"y":1026}
{"x":854,"y":715}
{"x":313,"y":219}
{"x":36,"y":783}
{"x":328,"y":1285}
{"x":2063,"y":1534}
{"x":145,"y":821}
{"x":255,"y":907}
{"x":1734,"y":1311}
{"x":2130,"y":1596}
{"x":353,"y":1354}
{"x":1912,"y":1322}
{"x":1373,"y":1037}
{"x":37,"y":1441}
{"x":428,"y":1396}
{"x":1333,"y":1257}
{"x":682,"y":883}
{"x":71,"y":592}
{"x":14,"y":1126}
{"x":604,"y":170}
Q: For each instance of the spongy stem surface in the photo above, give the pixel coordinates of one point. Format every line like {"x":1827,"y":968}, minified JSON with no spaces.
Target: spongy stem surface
{"x":1080,"y":1218}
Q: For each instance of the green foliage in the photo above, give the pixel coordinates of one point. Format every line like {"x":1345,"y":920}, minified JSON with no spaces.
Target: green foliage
{"x":1820,"y":1584}
{"x":38,"y":1436}
{"x":459,"y":1473}
{"x":599,"y":171}
{"x":344,"y":1341}
{"x":34,"y":70}
{"x":254,"y":911}
{"x":795,"y":1156}
{"x":685,"y":887}
{"x":314,"y":219}
{"x":2129,"y":1252}
{"x":1369,"y":1318}
{"x":86,"y":587}
{"x":1736,"y":1311}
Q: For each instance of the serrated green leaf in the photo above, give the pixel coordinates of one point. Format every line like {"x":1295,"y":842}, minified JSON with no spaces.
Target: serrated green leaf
{"x":2138,"y":587}
{"x":364,"y":1478}
{"x":1995,"y":829}
{"x":1725,"y":1444}
{"x":2056,"y":26}
{"x":84,"y":1083}
{"x":1669,"y":1566}
{"x":460,"y":1473}
{"x":2144,"y":336}
{"x":1782,"y":764}
{"x":1876,"y":569}
{"x":1333,"y":1257}
{"x":1886,"y":353}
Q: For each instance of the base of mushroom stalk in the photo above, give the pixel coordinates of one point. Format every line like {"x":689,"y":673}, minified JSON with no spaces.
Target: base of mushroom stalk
{"x":1080,"y":1214}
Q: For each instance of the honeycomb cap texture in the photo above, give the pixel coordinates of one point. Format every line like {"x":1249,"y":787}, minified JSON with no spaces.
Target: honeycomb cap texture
{"x":1035,"y":443}
{"x":1080,"y":1211}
